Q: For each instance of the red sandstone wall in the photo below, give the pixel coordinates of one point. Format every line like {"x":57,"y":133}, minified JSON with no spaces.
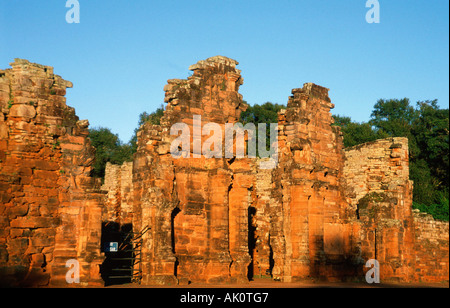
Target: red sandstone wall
{"x":320,"y":214}
{"x":431,"y":249}
{"x":376,"y":176}
{"x":119,"y":199}
{"x":314,"y":216}
{"x":154,"y":201}
{"x":194,"y":206}
{"x":312,"y":239}
{"x":49,"y":213}
{"x":264,"y":211}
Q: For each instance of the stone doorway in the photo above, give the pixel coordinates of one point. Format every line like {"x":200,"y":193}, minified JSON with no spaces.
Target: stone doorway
{"x":174,"y":213}
{"x":116,"y":244}
{"x":252,"y":237}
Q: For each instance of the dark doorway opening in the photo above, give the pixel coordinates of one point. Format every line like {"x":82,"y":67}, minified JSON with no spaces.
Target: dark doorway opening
{"x":251,"y":241}
{"x":172,"y":237}
{"x":271,"y":260}
{"x":116,"y":243}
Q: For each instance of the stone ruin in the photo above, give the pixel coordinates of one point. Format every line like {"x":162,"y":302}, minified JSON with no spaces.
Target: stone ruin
{"x":321,"y":213}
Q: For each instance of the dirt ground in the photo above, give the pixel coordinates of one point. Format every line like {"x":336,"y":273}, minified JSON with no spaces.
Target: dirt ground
{"x":269,"y":284}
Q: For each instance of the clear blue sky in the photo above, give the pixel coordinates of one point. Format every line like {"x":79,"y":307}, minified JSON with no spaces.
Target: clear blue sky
{"x":122,"y":52}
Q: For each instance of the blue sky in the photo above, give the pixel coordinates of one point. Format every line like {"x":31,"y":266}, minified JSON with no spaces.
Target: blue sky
{"x":121,"y":54}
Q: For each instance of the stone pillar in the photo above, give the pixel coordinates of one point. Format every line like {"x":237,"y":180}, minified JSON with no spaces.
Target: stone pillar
{"x":310,"y":166}
{"x":118,"y":183}
{"x":187,"y":199}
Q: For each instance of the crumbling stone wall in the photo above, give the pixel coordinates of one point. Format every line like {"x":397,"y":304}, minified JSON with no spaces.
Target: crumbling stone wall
{"x":290,"y":222}
{"x":431,"y":248}
{"x":119,"y":199}
{"x":311,"y":237}
{"x":379,"y":167}
{"x":49,"y":210}
{"x":264,"y":214}
{"x":380,"y":193}
{"x":186,"y":201}
{"x":322,"y":212}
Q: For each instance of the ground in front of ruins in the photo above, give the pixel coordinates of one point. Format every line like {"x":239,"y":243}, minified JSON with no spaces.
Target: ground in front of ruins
{"x":270,"y":284}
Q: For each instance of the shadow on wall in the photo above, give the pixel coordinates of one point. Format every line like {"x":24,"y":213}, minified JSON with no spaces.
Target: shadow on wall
{"x":23,"y":277}
{"x":336,"y":262}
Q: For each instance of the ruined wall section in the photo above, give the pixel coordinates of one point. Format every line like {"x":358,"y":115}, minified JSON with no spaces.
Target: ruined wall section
{"x":310,"y":239}
{"x":154,"y":202}
{"x":376,"y":179}
{"x":119,"y":199}
{"x":321,"y":213}
{"x":194,"y":205}
{"x":265,"y":207}
{"x":381,"y":166}
{"x":431,"y":248}
{"x":49,"y":210}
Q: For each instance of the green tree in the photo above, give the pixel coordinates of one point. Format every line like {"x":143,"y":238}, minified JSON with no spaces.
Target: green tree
{"x":425,"y":185}
{"x":357,"y":133}
{"x":431,"y":129}
{"x":109,"y":148}
{"x":266,"y":113}
{"x":439,"y":210}
{"x":395,"y":117}
{"x":430,"y":171}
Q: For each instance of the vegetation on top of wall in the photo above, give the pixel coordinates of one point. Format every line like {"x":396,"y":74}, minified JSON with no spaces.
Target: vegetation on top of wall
{"x":372,"y":197}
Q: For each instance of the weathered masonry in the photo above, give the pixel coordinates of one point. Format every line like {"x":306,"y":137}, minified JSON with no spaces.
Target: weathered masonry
{"x":49,"y":210}
{"x":321,"y":213}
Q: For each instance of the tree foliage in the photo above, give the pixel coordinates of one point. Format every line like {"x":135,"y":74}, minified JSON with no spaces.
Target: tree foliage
{"x":266,"y":113}
{"x":431,"y":129}
{"x":109,"y":148}
{"x":393,"y":116}
{"x":357,"y":133}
